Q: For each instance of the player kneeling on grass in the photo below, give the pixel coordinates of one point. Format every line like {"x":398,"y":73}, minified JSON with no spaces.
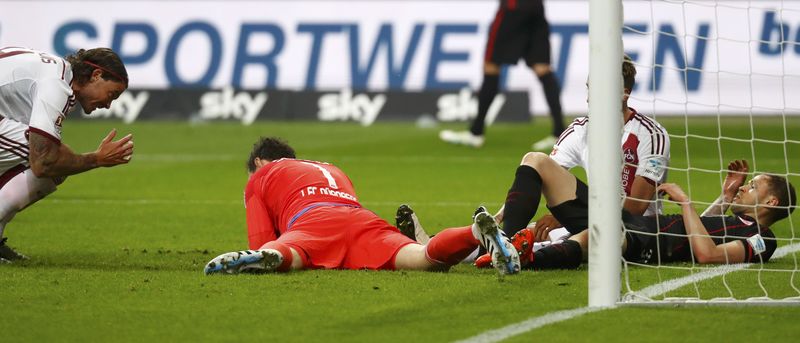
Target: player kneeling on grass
{"x":38,"y":90}
{"x":305,"y":215}
{"x":711,"y":237}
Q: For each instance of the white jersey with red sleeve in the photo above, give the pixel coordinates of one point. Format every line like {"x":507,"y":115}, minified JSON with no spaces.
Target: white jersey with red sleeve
{"x":645,"y":151}
{"x":35,"y":90}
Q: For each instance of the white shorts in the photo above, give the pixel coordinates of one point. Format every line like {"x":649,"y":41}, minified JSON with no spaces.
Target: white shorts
{"x":13,"y":149}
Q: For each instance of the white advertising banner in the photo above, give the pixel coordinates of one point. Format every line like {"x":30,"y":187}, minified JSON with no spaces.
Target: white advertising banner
{"x":729,"y":57}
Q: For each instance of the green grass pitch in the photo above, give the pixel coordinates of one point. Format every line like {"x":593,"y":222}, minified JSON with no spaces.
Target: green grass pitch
{"x":117,"y":254}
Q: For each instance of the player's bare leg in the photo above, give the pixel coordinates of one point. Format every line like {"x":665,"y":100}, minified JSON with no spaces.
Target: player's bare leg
{"x":451,"y":246}
{"x":21,"y":191}
{"x":537,"y":175}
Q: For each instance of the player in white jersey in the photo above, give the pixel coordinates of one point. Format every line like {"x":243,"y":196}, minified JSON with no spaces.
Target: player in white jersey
{"x":645,"y":149}
{"x":37,"y":91}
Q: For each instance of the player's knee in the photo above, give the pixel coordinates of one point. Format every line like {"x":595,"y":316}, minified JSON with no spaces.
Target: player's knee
{"x":541,"y":69}
{"x":490,"y":68}
{"x":535,"y":159}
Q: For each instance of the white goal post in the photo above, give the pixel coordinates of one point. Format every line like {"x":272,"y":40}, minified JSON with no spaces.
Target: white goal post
{"x":605,"y":125}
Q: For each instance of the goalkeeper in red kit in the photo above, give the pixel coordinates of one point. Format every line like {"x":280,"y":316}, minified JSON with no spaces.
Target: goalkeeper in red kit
{"x":305,"y":215}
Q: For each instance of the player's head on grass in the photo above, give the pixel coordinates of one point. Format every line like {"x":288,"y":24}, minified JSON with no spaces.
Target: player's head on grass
{"x":766,"y":197}
{"x":268,"y":149}
{"x":99,"y":77}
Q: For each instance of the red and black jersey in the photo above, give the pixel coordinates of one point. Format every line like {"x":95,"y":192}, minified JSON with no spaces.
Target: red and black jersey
{"x":672,"y":244}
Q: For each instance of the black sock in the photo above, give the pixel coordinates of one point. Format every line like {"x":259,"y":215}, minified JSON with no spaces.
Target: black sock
{"x":489,"y":88}
{"x":552,"y":94}
{"x":522,"y":200}
{"x":565,"y":255}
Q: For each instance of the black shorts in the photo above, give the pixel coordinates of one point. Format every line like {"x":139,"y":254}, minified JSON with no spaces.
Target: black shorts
{"x":574,"y":214}
{"x":519,"y":33}
{"x":641,"y":237}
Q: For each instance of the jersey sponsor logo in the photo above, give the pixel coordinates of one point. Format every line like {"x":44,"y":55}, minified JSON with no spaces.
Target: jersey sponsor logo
{"x":653,"y":168}
{"x":757,"y":243}
{"x":631,"y":162}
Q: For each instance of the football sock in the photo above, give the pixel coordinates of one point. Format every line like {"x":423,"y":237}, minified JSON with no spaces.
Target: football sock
{"x":489,"y":89}
{"x":522,"y":200}
{"x":19,"y":192}
{"x":552,"y":95}
{"x":285,"y":251}
{"x":566,"y":255}
{"x":451,"y":246}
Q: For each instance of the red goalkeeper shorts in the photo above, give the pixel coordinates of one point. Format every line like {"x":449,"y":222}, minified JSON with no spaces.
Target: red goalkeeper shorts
{"x":342,"y":237}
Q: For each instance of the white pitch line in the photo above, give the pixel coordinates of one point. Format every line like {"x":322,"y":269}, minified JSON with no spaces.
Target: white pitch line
{"x":528,"y":325}
{"x":651,"y":291}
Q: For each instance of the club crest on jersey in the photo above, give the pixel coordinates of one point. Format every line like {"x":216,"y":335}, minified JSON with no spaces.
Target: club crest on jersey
{"x":60,"y":120}
{"x":629,"y":156}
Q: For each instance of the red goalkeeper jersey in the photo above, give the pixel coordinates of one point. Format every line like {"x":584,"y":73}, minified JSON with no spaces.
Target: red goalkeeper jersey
{"x":280,"y":192}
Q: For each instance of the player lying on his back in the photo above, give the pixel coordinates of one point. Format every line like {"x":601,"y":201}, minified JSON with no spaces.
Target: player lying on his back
{"x":305,"y":215}
{"x":713,"y":237}
{"x":37,"y":91}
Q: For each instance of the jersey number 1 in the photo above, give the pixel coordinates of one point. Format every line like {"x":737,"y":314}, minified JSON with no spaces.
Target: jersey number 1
{"x":326,"y":173}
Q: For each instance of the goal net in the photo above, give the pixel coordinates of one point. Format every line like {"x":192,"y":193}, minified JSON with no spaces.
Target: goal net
{"x":723,"y":77}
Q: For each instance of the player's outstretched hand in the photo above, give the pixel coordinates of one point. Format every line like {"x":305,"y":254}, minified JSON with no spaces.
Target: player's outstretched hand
{"x":543,"y":226}
{"x":111,"y":152}
{"x":737,"y":174}
{"x":674,"y":192}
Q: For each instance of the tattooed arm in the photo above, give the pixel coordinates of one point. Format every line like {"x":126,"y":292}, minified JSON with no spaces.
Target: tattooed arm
{"x":51,"y":159}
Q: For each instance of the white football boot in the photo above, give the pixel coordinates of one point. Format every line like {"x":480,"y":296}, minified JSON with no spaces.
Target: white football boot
{"x":461,"y":137}
{"x":252,"y":261}
{"x":504,"y":256}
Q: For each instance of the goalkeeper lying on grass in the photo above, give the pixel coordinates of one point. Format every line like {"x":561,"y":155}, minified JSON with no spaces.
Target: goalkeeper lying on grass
{"x":305,"y":215}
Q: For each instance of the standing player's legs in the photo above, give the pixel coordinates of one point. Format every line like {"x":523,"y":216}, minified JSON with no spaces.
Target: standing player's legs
{"x":489,"y":89}
{"x":505,"y":45}
{"x":538,"y":59}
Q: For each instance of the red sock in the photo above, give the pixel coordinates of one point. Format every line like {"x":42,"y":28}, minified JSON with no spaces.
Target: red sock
{"x":285,"y":251}
{"x":451,"y":246}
